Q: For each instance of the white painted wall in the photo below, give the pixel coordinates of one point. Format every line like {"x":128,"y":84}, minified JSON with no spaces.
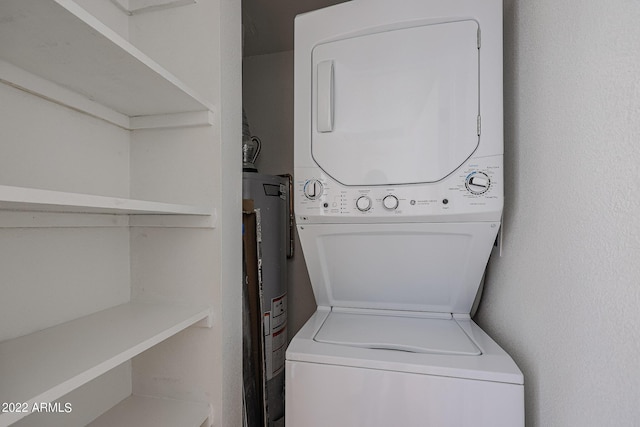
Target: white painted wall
{"x":267,"y":93}
{"x":564,"y":298}
{"x":230,"y":194}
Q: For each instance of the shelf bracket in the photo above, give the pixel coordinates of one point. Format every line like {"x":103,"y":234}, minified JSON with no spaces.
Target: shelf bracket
{"x":136,"y":7}
{"x":207,"y":322}
{"x":210,"y":419}
{"x":175,"y":221}
{"x":177,"y":120}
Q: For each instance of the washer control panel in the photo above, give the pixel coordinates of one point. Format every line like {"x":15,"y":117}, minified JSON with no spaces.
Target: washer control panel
{"x":476,"y":187}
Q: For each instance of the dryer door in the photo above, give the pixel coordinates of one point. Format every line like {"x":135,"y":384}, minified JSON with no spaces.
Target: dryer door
{"x":396,"y":107}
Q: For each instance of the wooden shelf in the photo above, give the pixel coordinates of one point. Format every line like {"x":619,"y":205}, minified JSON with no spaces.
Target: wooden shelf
{"x":57,"y":50}
{"x":31,"y":199}
{"x":45,"y":365}
{"x":142,"y":411}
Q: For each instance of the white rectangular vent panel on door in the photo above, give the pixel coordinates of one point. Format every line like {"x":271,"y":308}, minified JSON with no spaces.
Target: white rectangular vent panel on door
{"x":403,"y":105}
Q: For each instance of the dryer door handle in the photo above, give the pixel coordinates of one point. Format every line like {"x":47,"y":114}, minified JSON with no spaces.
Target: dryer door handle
{"x":324,"y":96}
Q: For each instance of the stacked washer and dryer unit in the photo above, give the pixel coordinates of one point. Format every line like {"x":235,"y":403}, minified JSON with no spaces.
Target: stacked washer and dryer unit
{"x":399,"y":196}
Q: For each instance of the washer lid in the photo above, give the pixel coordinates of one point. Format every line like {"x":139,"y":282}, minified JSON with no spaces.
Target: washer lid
{"x":439,"y":335}
{"x":425,"y":267}
{"x":396,"y":107}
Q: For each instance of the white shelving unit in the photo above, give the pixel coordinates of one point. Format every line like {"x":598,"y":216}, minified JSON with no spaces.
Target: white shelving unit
{"x":31,"y":199}
{"x":45,"y":365}
{"x":62,"y":53}
{"x":62,"y":58}
{"x":143,"y":411}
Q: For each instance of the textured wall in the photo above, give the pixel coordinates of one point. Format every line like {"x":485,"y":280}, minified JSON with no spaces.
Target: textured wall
{"x":564,"y":298}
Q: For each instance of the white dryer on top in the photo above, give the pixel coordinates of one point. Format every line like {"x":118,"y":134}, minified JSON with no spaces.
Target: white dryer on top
{"x":399,"y":193}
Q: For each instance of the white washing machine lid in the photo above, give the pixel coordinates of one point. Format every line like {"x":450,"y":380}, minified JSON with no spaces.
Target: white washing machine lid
{"x":437,"y":334}
{"x":425,"y":267}
{"x":493,"y":364}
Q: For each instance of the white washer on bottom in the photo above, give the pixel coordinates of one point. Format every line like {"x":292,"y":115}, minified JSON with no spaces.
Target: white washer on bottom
{"x":344,"y":368}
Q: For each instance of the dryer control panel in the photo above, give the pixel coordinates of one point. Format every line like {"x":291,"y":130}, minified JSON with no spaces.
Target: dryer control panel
{"x":473,"y":189}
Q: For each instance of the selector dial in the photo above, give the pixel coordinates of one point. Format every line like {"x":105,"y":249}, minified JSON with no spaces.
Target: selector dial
{"x":363,"y":203}
{"x":313,"y":189}
{"x":477,"y":182}
{"x":390,"y":202}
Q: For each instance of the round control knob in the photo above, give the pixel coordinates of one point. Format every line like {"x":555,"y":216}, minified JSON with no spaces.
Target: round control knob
{"x":477,"y":182}
{"x":313,"y":189}
{"x":390,"y":202}
{"x":363,"y":203}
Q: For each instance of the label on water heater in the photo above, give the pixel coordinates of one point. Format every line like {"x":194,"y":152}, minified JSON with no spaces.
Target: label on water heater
{"x":275,"y":336}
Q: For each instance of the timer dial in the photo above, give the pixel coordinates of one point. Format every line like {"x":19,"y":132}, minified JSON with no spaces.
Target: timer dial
{"x":363,"y":203}
{"x":313,"y":189}
{"x":477,"y":182}
{"x":390,"y":202}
